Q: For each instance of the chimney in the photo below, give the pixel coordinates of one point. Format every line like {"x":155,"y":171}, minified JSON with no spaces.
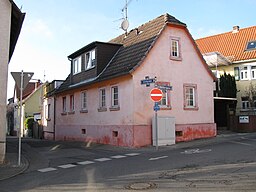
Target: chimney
{"x":235,"y":29}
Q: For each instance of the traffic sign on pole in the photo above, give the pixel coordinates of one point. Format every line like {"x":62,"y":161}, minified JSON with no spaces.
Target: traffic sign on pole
{"x":156,"y":94}
{"x":17,"y":76}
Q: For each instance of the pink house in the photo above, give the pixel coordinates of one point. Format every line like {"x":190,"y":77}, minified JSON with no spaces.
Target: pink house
{"x":103,"y":101}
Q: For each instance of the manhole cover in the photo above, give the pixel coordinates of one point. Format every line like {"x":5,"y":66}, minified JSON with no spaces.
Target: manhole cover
{"x":141,"y":186}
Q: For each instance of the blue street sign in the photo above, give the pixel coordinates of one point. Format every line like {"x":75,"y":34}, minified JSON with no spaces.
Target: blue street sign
{"x":146,"y":81}
{"x":165,"y":87}
{"x":156,"y":107}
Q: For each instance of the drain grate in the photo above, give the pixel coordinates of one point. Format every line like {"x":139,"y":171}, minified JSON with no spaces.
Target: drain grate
{"x":141,"y":186}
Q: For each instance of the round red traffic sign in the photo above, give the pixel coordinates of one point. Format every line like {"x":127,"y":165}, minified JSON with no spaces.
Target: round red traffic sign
{"x":156,"y":94}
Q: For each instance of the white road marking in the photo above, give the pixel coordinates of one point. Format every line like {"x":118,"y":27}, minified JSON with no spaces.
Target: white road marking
{"x":85,"y":162}
{"x":132,"y":154}
{"x":67,"y":166}
{"x":157,"y":158}
{"x":47,"y":169}
{"x":102,"y":159}
{"x":240,"y":143}
{"x":192,"y":151}
{"x":118,"y":156}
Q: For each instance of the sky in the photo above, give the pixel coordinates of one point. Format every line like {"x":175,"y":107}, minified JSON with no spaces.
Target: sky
{"x":54,"y":29}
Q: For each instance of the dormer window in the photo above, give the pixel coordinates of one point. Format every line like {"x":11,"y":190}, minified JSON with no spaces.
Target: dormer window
{"x":90,"y":59}
{"x":77,"y":65}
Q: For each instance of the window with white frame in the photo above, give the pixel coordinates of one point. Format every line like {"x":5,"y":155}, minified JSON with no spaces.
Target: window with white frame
{"x":84,"y":100}
{"x":190,"y":96}
{"x":114,"y":96}
{"x":245,"y":105}
{"x":253,"y":72}
{"x":72,"y":103}
{"x":77,"y":65}
{"x":64,"y":104}
{"x":165,"y":103}
{"x":175,"y":48}
{"x":244,"y":73}
{"x":102,"y":98}
{"x":90,"y":59}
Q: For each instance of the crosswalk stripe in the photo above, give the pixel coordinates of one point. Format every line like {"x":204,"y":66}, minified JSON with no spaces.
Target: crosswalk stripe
{"x":85,"y":162}
{"x":118,"y":156}
{"x":67,"y":166}
{"x":47,"y":169}
{"x":132,"y":154}
{"x":102,"y":159}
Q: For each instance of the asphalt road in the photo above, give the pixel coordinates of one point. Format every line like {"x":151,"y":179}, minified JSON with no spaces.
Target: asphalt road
{"x":225,"y":163}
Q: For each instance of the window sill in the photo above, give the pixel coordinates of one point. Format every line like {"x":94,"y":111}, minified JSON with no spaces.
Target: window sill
{"x":165,"y":107}
{"x":191,"y":108}
{"x":102,"y":109}
{"x":83,"y":111}
{"x":90,"y":68}
{"x":175,"y":58}
{"x":64,"y":113}
{"x":114,"y":108}
{"x":71,"y":112}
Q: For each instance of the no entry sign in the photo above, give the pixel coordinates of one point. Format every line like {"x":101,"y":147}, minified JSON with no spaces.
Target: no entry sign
{"x":156,"y":94}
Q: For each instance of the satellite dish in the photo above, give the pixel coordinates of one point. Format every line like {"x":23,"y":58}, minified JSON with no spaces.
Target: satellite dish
{"x":125,"y":25}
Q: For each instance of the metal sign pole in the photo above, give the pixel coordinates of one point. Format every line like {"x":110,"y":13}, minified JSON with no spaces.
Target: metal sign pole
{"x":21,"y":90}
{"x":156,"y":130}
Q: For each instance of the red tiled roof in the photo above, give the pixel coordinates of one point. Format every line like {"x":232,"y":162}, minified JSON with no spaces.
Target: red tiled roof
{"x":231,"y":45}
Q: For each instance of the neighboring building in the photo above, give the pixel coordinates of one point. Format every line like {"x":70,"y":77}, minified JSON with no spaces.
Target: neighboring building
{"x":102,"y":100}
{"x":49,"y":108}
{"x":32,"y":102}
{"x":10,"y":26}
{"x":234,"y":52}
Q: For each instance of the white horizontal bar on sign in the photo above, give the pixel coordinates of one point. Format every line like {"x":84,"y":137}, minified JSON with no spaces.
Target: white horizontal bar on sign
{"x":156,"y":94}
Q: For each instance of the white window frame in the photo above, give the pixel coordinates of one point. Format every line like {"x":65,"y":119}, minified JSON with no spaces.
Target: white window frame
{"x":83,"y":100}
{"x":244,"y":73}
{"x":77,"y":65}
{"x":102,"y":98}
{"x":245,"y":105}
{"x":114,"y":96}
{"x":175,"y":48}
{"x":190,"y":96}
{"x":90,"y":59}
{"x":253,"y":72}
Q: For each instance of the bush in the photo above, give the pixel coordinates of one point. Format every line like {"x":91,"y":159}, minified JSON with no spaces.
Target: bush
{"x":29,"y":123}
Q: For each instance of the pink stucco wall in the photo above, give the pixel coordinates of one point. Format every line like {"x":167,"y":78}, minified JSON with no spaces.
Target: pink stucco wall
{"x":190,"y":70}
{"x":131,"y":125}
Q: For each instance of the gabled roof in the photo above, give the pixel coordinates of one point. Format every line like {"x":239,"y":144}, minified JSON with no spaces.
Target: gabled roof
{"x":135,"y":46}
{"x":232,"y":44}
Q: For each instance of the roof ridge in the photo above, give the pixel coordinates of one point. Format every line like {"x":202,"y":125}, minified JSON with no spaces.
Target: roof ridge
{"x":219,"y":34}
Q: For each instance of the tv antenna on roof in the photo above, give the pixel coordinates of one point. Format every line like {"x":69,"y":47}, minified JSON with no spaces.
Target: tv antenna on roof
{"x":125,"y":23}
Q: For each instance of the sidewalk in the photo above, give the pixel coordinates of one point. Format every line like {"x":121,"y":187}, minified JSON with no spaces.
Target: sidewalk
{"x":10,"y":167}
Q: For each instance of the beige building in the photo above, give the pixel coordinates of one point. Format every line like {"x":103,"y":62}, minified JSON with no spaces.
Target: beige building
{"x":234,"y":52}
{"x":10,"y":26}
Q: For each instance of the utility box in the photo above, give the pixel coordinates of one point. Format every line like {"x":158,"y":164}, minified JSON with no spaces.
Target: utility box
{"x":166,"y":130}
